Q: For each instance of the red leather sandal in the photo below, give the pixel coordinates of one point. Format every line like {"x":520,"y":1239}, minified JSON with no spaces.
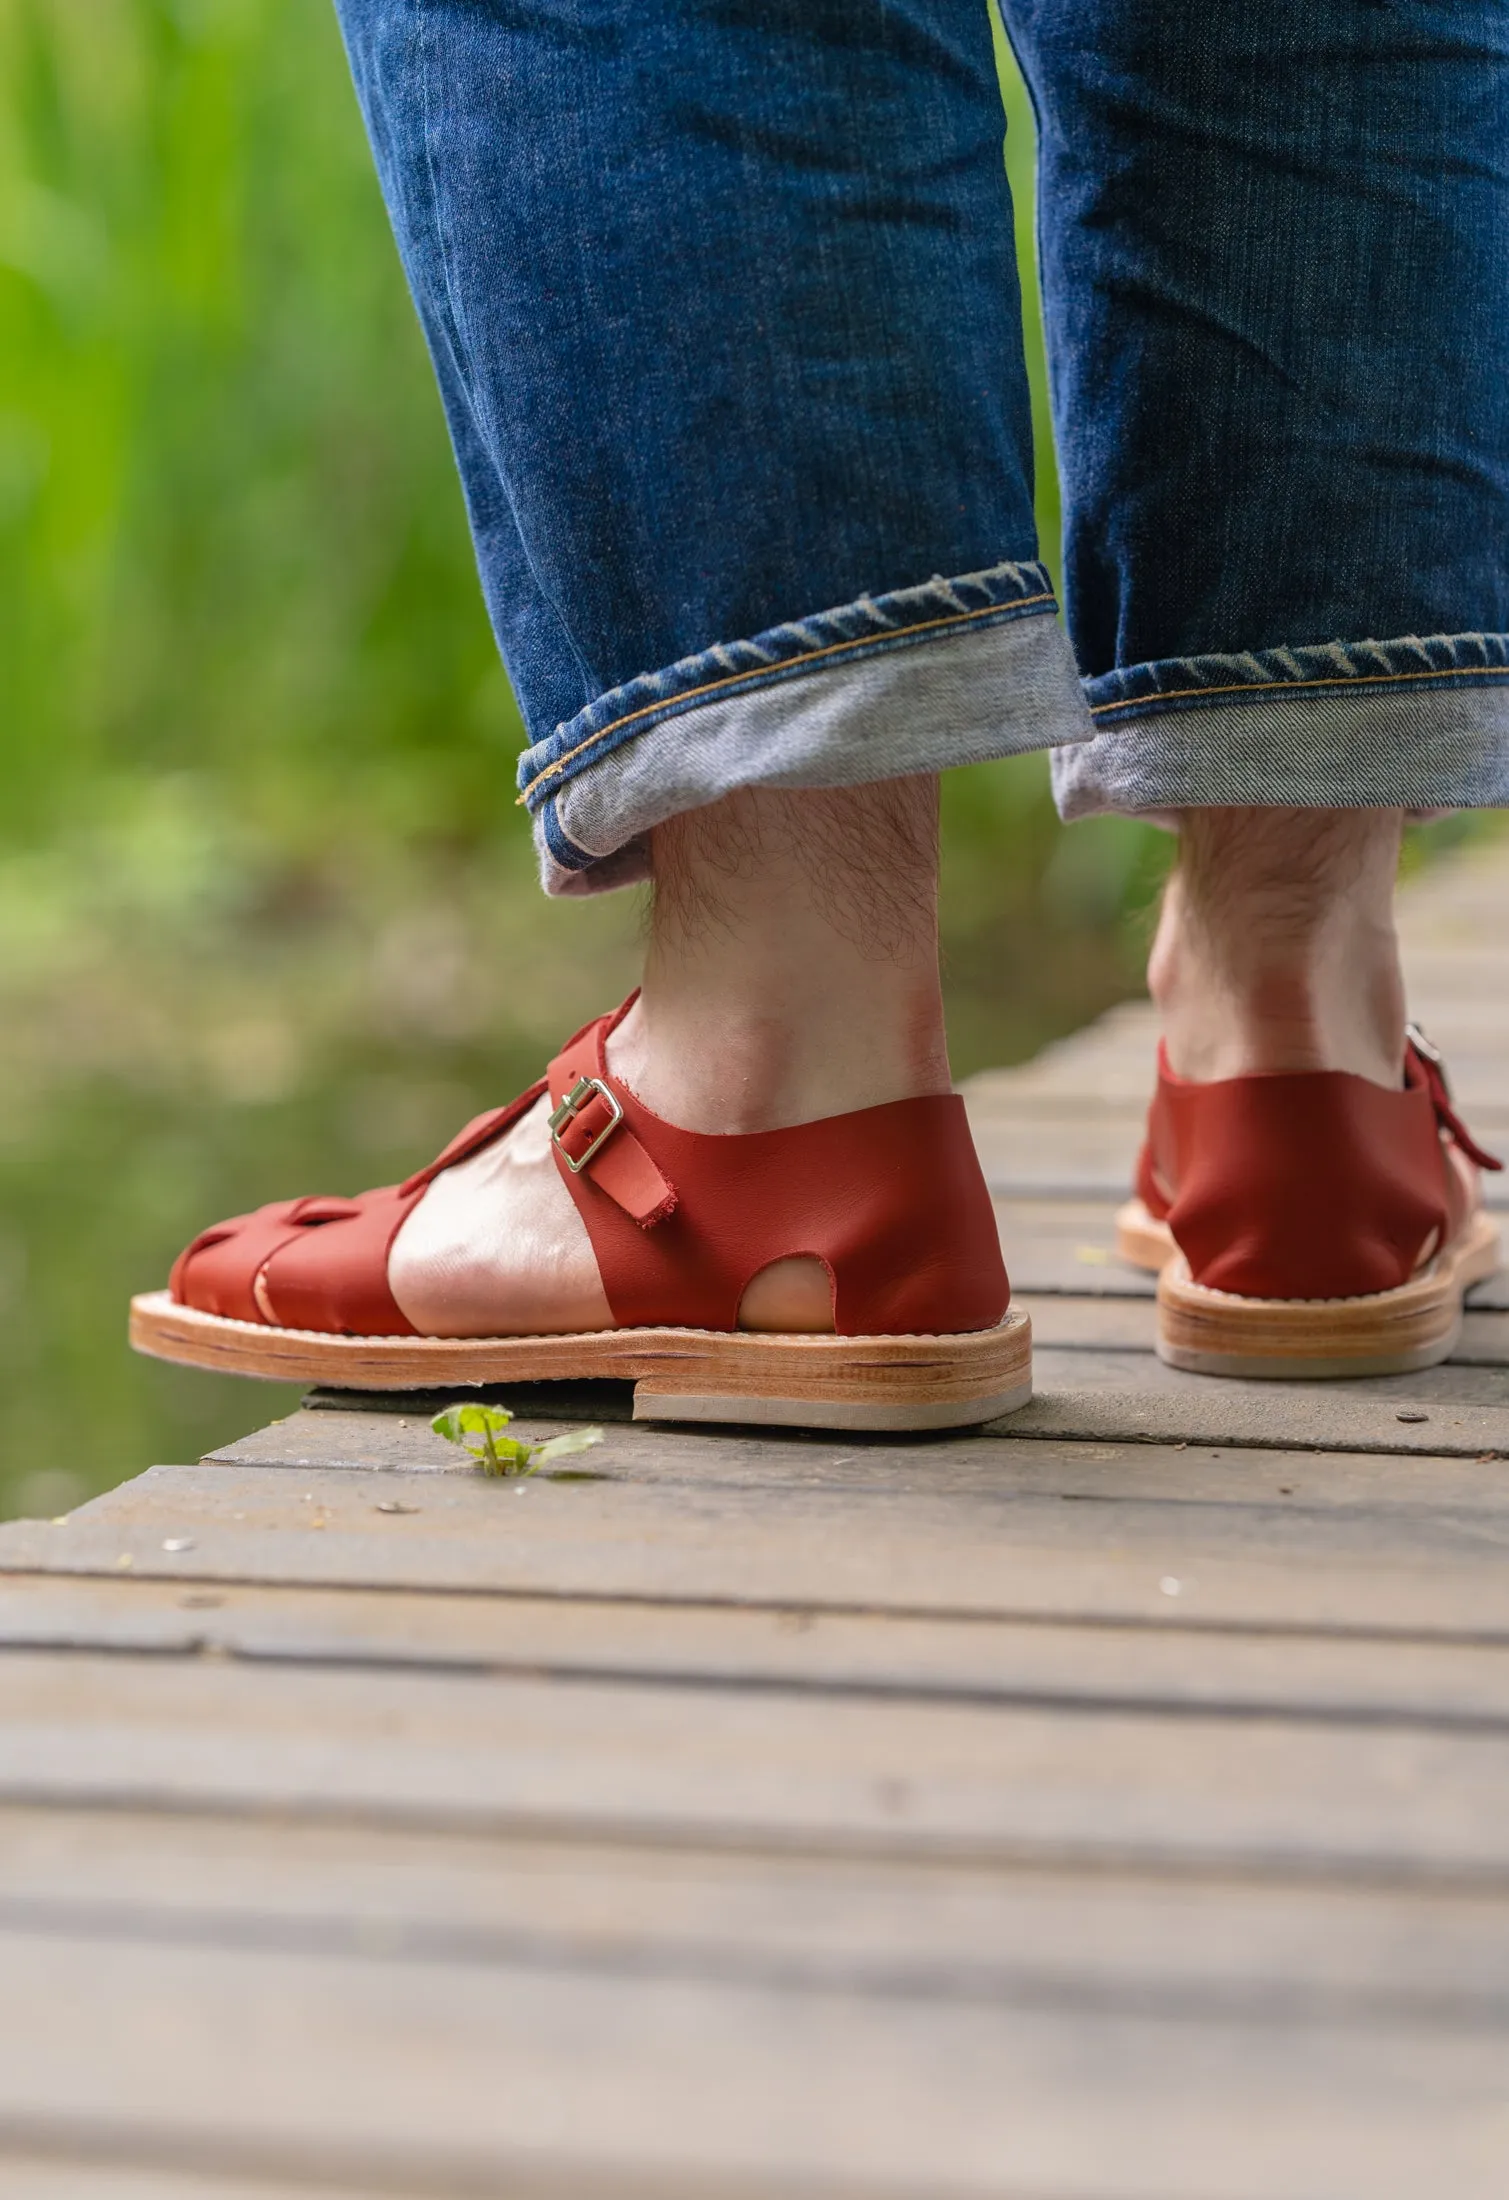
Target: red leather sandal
{"x":1309,"y":1225}
{"x":890,"y":1199}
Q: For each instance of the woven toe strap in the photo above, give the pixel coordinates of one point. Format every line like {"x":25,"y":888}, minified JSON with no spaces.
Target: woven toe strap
{"x":321,"y":1263}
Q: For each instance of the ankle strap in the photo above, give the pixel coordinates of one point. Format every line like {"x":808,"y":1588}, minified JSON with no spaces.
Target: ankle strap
{"x":890,"y":1199}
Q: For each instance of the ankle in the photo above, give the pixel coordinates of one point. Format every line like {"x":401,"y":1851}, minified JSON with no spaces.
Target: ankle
{"x":1276,"y":948}
{"x":792,"y":966}
{"x":1336,"y":1009}
{"x":735,"y":1063}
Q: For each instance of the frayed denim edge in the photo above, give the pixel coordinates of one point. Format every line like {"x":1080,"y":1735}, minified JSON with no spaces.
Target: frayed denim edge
{"x":896,"y":619}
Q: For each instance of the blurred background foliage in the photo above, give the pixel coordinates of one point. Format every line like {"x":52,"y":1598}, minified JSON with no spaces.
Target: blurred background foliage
{"x":268,"y":920}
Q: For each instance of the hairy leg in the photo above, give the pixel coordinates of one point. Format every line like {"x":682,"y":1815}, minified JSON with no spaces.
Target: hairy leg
{"x":1276,"y":948}
{"x":791,"y":972}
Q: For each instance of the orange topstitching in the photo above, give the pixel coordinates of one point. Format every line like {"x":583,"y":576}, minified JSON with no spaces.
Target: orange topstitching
{"x":1340,"y":679}
{"x":955,"y":618}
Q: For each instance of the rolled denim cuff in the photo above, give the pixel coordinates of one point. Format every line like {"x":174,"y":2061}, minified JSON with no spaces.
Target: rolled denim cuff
{"x":950,"y":672}
{"x":1419,"y":724}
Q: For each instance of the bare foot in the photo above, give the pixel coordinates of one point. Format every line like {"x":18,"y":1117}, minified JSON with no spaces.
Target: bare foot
{"x":496,"y":1247}
{"x":791,"y":974}
{"x":1276,"y":948}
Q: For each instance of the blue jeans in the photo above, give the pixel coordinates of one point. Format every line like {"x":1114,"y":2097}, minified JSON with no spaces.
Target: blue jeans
{"x":722,"y":301}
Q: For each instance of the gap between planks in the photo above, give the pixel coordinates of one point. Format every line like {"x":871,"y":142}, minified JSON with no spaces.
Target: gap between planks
{"x":1337,"y":1545}
{"x":906,"y":1925}
{"x":1298,"y":1675}
{"x":518,"y":1755}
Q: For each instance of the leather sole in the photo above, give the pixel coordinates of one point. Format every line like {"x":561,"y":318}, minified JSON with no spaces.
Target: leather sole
{"x":679,"y":1374}
{"x":1385,"y":1333}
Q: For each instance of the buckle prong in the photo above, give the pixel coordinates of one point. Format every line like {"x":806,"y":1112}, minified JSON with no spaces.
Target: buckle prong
{"x":568,"y":1111}
{"x":1431,"y":1052}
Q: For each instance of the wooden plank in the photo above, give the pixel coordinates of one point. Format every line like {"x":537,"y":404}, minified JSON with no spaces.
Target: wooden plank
{"x":1493,"y":1295}
{"x":1031,"y":1151}
{"x":27,"y":2175}
{"x":997,"y":1464}
{"x":1459,"y":1410}
{"x":1171,"y":1943}
{"x":1289,"y":1673}
{"x":1485,"y":1337}
{"x":787,"y":1769}
{"x":1104,"y":1388}
{"x":1326,"y":1544}
{"x":1067,"y":1246}
{"x":1095,"y":1391}
{"x":1466,"y":969}
{"x":450,"y":2078}
{"x":1016,"y":1814}
{"x":1096,"y":1324}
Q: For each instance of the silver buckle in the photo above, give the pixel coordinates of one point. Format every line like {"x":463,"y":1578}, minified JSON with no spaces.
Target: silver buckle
{"x":1430,"y":1051}
{"x":568,"y":1111}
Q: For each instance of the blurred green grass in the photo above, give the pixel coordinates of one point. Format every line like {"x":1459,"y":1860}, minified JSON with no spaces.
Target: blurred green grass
{"x":267,"y":913}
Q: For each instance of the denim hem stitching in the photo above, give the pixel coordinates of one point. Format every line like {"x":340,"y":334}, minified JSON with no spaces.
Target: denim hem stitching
{"x":1139,"y":690}
{"x":782,"y":653}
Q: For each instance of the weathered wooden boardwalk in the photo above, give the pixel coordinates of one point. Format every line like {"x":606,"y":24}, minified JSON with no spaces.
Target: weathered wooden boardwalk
{"x":1111,"y":1807}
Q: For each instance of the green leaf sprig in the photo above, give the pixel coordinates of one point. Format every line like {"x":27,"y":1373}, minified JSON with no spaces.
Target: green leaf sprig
{"x":481,"y":1431}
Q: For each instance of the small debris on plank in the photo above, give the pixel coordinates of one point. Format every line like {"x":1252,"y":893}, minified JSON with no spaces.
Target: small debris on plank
{"x":391,"y":1505}
{"x":178,"y":1543}
{"x":1411,"y":1416}
{"x":199,"y":1603}
{"x":1171,"y":1585}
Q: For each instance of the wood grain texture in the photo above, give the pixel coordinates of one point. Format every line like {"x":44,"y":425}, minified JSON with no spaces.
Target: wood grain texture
{"x":672,"y":1764}
{"x":1175,"y":1942}
{"x":1111,"y":1805}
{"x":1053,"y":1539}
{"x":72,"y":2172}
{"x":457,"y":2078}
{"x":84,"y":2162}
{"x":1386,"y":1678}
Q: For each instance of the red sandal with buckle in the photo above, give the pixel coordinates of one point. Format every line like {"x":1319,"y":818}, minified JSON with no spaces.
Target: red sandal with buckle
{"x":1309,"y":1225}
{"x":890,"y":1199}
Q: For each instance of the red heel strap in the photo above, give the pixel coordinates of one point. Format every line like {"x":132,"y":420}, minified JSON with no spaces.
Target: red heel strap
{"x":1313,"y":1185}
{"x":890,"y":1199}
